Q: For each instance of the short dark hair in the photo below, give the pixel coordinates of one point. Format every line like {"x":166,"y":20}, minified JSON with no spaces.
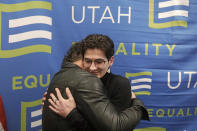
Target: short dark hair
{"x":98,"y":41}
{"x":73,"y":54}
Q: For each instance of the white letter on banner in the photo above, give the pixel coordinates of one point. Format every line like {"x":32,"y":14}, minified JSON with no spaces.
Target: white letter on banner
{"x":190,"y":77}
{"x":110,"y":15}
{"x":93,"y":11}
{"x":73,"y":15}
{"x":129,"y":15}
{"x":171,"y":87}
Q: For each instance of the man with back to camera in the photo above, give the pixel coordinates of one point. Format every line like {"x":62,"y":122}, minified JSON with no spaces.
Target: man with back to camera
{"x":90,"y":97}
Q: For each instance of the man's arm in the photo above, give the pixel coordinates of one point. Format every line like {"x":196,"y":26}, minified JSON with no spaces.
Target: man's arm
{"x":100,"y":112}
{"x":67,"y":109}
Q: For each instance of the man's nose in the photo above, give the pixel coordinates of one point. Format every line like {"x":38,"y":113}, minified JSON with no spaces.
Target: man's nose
{"x":93,"y":66}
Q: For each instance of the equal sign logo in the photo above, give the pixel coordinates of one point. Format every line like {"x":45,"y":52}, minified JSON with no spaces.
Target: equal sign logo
{"x":168,"y":13}
{"x":140,"y":82}
{"x":28,"y":30}
{"x":31,"y":116}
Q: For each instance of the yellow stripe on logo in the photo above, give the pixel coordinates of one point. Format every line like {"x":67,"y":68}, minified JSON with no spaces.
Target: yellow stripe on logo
{"x":151,"y":129}
{"x":142,"y":93}
{"x":26,"y":6}
{"x":127,"y":75}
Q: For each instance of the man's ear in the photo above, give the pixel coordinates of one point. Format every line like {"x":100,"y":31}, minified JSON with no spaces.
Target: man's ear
{"x":111,"y":61}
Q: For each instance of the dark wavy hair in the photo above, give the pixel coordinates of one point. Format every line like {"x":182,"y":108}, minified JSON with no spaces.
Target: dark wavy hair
{"x":98,"y":41}
{"x":73,"y":54}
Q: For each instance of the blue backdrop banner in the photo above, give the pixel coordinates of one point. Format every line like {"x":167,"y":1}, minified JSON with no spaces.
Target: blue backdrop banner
{"x":155,"y":48}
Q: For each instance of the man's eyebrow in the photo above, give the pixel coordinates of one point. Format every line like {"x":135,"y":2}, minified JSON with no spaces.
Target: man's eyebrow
{"x":100,"y":59}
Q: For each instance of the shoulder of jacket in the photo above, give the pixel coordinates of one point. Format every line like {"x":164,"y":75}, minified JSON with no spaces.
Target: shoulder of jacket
{"x":116,"y":77}
{"x":77,"y":76}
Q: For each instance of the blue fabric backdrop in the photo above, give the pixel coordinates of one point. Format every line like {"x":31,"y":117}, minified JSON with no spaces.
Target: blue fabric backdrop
{"x":155,"y":48}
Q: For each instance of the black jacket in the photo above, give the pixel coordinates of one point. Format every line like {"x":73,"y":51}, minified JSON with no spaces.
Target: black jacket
{"x":118,"y":90}
{"x":92,"y":102}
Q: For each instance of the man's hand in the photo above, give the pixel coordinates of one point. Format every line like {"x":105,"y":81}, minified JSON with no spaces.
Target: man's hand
{"x":133,"y":95}
{"x":43,"y":99}
{"x":62,"y":106}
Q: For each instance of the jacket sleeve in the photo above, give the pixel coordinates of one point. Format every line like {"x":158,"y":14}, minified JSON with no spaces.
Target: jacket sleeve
{"x":78,"y":121}
{"x":97,"y":109}
{"x":120,"y":92}
{"x":137,"y":102}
